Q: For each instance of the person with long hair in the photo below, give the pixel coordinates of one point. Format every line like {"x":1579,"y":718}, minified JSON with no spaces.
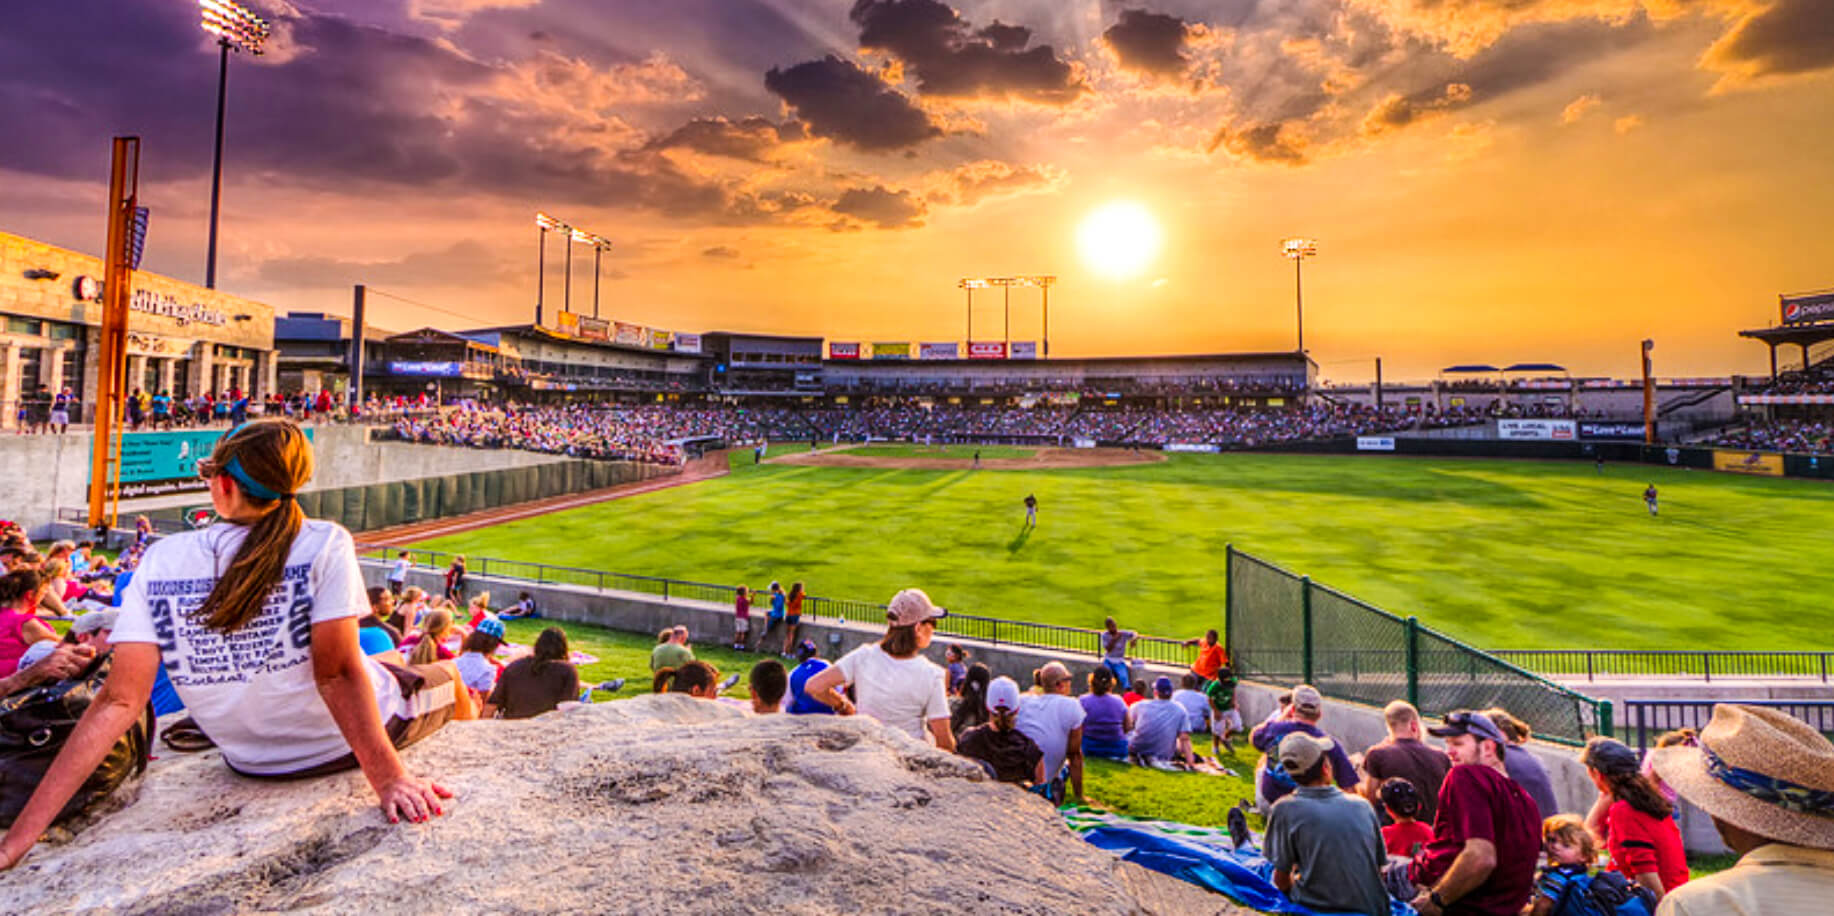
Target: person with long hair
{"x":696,"y":679}
{"x":429,"y":645}
{"x":792,"y":620}
{"x":894,"y":682}
{"x":998,"y":744}
{"x":255,"y":618}
{"x":20,"y":627}
{"x":538,"y":682}
{"x":971,"y":706}
{"x":1636,"y":826}
{"x":1105,"y":719}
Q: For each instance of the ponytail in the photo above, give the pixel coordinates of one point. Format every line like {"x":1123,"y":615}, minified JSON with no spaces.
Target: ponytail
{"x":426,"y":651}
{"x":268,"y":460}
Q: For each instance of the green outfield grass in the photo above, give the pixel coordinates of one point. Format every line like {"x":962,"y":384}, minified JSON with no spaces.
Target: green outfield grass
{"x":1505,"y":554}
{"x":965,"y":452}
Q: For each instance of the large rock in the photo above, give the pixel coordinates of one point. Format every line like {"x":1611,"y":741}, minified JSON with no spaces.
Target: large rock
{"x":648,"y":805}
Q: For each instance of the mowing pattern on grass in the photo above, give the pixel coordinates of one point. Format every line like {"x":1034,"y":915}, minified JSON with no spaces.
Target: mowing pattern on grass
{"x":1501,"y":554}
{"x":940,"y":451}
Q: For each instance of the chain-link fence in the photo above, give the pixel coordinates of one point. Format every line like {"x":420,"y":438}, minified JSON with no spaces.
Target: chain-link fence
{"x":1285,"y":628}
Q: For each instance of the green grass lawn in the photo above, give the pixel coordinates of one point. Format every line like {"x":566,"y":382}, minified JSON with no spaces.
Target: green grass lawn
{"x":901,"y":450}
{"x":1504,"y":554}
{"x":627,"y":655}
{"x":1186,"y":798}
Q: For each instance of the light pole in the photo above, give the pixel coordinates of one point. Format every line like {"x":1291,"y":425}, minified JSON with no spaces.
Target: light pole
{"x":544,"y":223}
{"x":236,"y":29}
{"x":1298,"y":250}
{"x":599,"y":243}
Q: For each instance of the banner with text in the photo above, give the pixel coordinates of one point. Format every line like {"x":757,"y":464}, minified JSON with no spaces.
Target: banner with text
{"x":1806,"y":309}
{"x":987,"y":349}
{"x":630,"y":334}
{"x":1621,"y":432}
{"x":1025,"y":349}
{"x":1535,"y":429}
{"x":567,"y":323}
{"x":687,"y":343}
{"x":155,"y":464}
{"x":661,"y":340}
{"x":595,"y":329}
{"x":1762,"y":464}
{"x":1375,"y":443}
{"x":887,"y":350}
{"x":840,"y":350}
{"x":939,"y":351}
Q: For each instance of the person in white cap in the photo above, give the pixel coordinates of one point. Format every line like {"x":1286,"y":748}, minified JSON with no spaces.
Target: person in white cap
{"x":891,"y":679}
{"x":999,"y":744}
{"x":1767,"y":780}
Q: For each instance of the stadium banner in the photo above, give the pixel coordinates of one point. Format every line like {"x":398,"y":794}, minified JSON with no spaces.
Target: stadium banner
{"x":1745,"y":399}
{"x":625,"y":333}
{"x":567,"y":323}
{"x":1535,"y":429}
{"x":595,"y":329}
{"x":1762,"y":464}
{"x":1623,"y":432}
{"x":1024,"y":349}
{"x":661,"y":340}
{"x":839,"y":350}
{"x":889,"y":350}
{"x":939,"y":351}
{"x":1375,"y":443}
{"x":1806,"y":309}
{"x":987,"y":349}
{"x":425,"y":368}
{"x":1203,"y":447}
{"x":687,"y":343}
{"x":1081,"y":442}
{"x":155,"y":464}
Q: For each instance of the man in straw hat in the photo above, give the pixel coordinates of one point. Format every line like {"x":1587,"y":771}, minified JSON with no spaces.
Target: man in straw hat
{"x":1767,"y":780}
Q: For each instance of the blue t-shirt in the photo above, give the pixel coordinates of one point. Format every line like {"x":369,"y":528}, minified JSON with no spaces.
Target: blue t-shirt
{"x":1275,"y":783}
{"x":121,"y":581}
{"x":165,"y":699}
{"x":1157,"y":725}
{"x":801,"y":704}
{"x":777,"y":602}
{"x":374,"y":640}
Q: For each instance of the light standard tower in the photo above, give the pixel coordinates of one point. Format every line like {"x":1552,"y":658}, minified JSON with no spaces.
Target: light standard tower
{"x":1299,"y":249}
{"x":236,"y":29}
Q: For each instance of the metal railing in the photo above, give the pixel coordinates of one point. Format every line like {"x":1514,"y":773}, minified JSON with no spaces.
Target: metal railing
{"x":1645,"y":720}
{"x":992,"y":630}
{"x":1674,"y":663}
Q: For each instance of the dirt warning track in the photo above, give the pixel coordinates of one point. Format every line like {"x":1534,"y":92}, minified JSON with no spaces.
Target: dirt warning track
{"x":1041,"y":459}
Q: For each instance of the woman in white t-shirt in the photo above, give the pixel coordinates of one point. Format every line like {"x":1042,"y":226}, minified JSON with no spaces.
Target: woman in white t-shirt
{"x":255,"y":620}
{"x":892,"y":680}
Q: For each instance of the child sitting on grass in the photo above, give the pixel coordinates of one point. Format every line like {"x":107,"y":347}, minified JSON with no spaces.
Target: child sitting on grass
{"x":1407,"y":834}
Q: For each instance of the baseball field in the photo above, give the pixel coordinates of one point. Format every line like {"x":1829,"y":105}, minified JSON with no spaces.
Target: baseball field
{"x":1503,"y":554}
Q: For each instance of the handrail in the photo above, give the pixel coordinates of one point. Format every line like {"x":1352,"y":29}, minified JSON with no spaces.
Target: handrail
{"x":1674,"y":663}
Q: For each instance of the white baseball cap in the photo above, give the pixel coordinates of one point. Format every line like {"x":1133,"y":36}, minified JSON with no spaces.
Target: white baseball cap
{"x":1003,"y":693}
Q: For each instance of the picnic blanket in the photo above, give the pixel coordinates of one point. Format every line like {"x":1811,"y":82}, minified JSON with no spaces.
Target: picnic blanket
{"x":511,"y":650}
{"x":1204,"y":856}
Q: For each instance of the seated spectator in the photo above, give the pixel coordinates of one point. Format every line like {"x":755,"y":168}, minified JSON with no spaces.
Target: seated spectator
{"x":998,"y":744}
{"x":1680,"y":736}
{"x":1210,"y":656}
{"x":1402,"y":754}
{"x":1135,"y":693}
{"x":696,"y":679}
{"x":1522,"y":765}
{"x":373,"y":635}
{"x":429,"y":645}
{"x":1568,"y":872}
{"x":1486,"y":839}
{"x":769,"y":682}
{"x":408,"y":610}
{"x":1767,"y":780}
{"x":671,"y":649}
{"x":477,"y":664}
{"x":1161,"y":730}
{"x":1114,"y":643}
{"x":1196,"y":705}
{"x":20,"y":627}
{"x":1324,"y":845}
{"x":1302,"y":716}
{"x":536,"y":683}
{"x":66,"y":660}
{"x":1637,"y":826}
{"x":480,"y":609}
{"x":1407,"y":835}
{"x":1105,"y":718}
{"x":1054,"y":719}
{"x":808,"y":664}
{"x":523,"y":608}
{"x":894,"y":682}
{"x":970,"y":709}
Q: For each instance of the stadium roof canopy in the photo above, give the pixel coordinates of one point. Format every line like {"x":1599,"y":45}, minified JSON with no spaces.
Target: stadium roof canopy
{"x":1534,"y":367}
{"x":1472,"y":368}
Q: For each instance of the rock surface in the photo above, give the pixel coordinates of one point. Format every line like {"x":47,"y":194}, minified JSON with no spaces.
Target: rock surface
{"x":648,"y":805}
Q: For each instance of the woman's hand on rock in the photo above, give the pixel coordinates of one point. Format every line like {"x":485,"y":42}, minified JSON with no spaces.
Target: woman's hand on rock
{"x":412,"y":798}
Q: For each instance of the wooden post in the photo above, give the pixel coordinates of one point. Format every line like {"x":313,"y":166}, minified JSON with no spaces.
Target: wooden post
{"x":111,"y":377}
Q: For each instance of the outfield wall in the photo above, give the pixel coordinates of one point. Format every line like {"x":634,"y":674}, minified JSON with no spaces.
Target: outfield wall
{"x":1356,"y":725}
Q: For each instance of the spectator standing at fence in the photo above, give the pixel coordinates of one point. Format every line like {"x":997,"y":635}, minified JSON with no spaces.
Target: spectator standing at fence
{"x":741,"y":617}
{"x":1054,"y":719}
{"x":1403,"y":755}
{"x":1307,"y":708}
{"x":1767,"y":780}
{"x":1486,"y":835}
{"x":1105,"y":719}
{"x":1324,"y":845}
{"x":398,"y":574}
{"x":894,"y":682}
{"x":1637,"y":824}
{"x":792,"y":617}
{"x":1115,"y":642}
{"x":1522,"y":765}
{"x":455,"y":580}
{"x":774,"y":616}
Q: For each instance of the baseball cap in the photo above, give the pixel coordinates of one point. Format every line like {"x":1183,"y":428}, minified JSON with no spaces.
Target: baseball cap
{"x":491,"y":626}
{"x":94,"y":621}
{"x":911,"y":607}
{"x":1299,"y":751}
{"x":806,"y":650}
{"x":36,"y":652}
{"x":1608,"y":756}
{"x":1466,"y":722}
{"x":1401,"y":795}
{"x":1003,"y":693}
{"x":1163,"y":686}
{"x":1307,"y":699}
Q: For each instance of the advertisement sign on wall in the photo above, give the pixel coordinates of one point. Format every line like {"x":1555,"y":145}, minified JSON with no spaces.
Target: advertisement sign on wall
{"x":660,"y":340}
{"x":1622,"y":432}
{"x":891,"y":351}
{"x":839,"y":350}
{"x":1535,"y":429}
{"x":939,"y":351}
{"x":154,"y":464}
{"x":1805,"y":309}
{"x":1762,"y":464}
{"x":595,"y":329}
{"x":687,"y":343}
{"x":987,"y":349}
{"x":1375,"y":443}
{"x":626,"y":333}
{"x":567,"y":323}
{"x":1025,"y":349}
{"x":424,"y":368}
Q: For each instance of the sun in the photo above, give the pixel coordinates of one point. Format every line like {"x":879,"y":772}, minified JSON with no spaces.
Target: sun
{"x":1119,"y":239}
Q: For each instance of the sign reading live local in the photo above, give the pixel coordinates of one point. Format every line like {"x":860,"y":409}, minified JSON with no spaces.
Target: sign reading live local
{"x":1535,"y":429}
{"x":1806,"y":309}
{"x":154,"y":464}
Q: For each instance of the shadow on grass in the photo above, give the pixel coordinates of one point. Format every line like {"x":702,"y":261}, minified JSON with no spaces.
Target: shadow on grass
{"x":1018,"y":542}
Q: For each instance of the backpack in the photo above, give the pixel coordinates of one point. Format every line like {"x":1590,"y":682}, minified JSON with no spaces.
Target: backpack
{"x":1607,"y":893}
{"x":35,"y":723}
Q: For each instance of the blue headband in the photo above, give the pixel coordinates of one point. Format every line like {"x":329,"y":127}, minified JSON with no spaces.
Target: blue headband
{"x":249,"y":485}
{"x":1780,"y":792}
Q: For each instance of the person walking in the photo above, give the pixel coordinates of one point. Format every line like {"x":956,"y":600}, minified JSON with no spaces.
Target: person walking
{"x":1649,"y":499}
{"x":1031,"y":511}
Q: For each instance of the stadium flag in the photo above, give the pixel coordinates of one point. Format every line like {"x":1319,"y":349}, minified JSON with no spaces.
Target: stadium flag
{"x":660,"y":340}
{"x":1024,"y":349}
{"x":687,"y":343}
{"x":987,"y":349}
{"x":1762,"y":464}
{"x":1807,"y":309}
{"x":567,"y":323}
{"x":595,"y":329}
{"x":891,"y":350}
{"x":839,"y":350}
{"x":939,"y":351}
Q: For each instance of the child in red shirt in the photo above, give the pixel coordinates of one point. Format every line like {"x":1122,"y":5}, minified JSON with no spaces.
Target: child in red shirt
{"x":1406,"y":835}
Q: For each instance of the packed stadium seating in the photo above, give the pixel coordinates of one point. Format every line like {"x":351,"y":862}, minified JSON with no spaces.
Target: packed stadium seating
{"x":1799,"y":436}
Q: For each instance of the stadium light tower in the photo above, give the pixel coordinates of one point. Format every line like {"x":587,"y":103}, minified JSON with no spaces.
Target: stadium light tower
{"x":1298,"y":250}
{"x":599,"y":243}
{"x":544,"y":223}
{"x":236,"y":29}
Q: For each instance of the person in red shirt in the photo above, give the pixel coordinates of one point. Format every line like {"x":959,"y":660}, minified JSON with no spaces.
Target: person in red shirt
{"x":1210,"y":656}
{"x":1486,"y":833}
{"x":1633,"y":819}
{"x":1406,"y":835}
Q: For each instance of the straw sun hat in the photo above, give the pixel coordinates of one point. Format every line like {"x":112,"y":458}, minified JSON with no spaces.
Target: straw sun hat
{"x":1759,"y":770}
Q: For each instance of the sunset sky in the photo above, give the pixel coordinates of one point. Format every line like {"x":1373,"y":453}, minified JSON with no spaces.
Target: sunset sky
{"x":1488,"y":180}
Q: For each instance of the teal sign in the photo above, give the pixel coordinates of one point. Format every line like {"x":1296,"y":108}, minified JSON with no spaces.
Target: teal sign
{"x":155,"y":464}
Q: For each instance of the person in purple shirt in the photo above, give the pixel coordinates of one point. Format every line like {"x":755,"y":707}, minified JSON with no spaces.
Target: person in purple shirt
{"x":1302,"y":716}
{"x":1105,"y":724}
